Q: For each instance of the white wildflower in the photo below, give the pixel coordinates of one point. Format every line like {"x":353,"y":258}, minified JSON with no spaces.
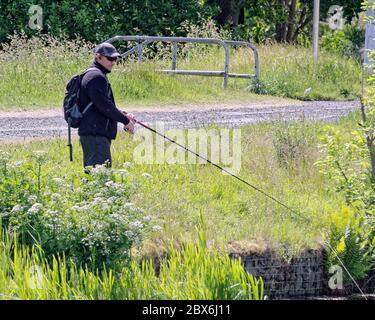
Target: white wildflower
{"x":156,"y":228}
{"x":111,"y":200}
{"x":40,"y":156}
{"x":109,"y":183}
{"x":17,"y":208}
{"x":129,"y":204}
{"x":58,"y":181}
{"x":40,"y":153}
{"x":32,"y":198}
{"x":129,"y":234}
{"x":4,"y":155}
{"x":17,"y":164}
{"x":97,"y":201}
{"x":136,"y":224}
{"x":122,"y":172}
{"x":100,"y":169}
{"x":36,"y":207}
{"x":56,"y":196}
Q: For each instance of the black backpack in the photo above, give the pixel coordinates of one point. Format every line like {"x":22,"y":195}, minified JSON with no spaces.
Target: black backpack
{"x":72,"y":110}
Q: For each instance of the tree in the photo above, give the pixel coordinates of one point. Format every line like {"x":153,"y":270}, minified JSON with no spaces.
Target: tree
{"x":285,"y":19}
{"x":98,"y":20}
{"x":230,"y":12}
{"x":296,"y":15}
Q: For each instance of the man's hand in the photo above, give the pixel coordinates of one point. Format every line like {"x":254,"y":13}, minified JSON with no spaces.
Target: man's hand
{"x":130,"y":126}
{"x":130,"y":116}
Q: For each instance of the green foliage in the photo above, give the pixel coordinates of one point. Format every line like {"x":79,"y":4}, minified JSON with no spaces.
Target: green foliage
{"x":194,"y":272}
{"x":260,"y":20}
{"x":175,"y":195}
{"x":289,"y":21}
{"x":347,"y":42}
{"x":293,"y":142}
{"x":99,"y":20}
{"x":289,"y":71}
{"x":30,"y":66}
{"x":351,"y":8}
{"x":350,"y":163}
{"x":346,"y":238}
{"x":346,"y":164}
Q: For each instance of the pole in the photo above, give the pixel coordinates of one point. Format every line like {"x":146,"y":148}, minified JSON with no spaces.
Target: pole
{"x":316,"y":30}
{"x":70,"y":141}
{"x":369,"y":37}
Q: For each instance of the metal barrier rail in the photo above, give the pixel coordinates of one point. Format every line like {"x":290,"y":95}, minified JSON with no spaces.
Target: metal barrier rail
{"x":143,"y":41}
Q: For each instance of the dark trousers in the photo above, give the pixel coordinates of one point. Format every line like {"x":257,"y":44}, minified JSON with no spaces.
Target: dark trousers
{"x":96,"y":150}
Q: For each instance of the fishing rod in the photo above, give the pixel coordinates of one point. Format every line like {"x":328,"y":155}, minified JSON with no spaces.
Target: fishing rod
{"x":255,"y":188}
{"x":220,"y":168}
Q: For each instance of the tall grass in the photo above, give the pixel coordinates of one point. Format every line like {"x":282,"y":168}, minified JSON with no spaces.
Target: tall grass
{"x":35,"y":71}
{"x":176,"y":195}
{"x":194,"y":272}
{"x":290,"y":72}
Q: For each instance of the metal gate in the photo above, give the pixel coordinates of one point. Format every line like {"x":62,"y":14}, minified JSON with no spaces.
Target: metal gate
{"x":143,"y":41}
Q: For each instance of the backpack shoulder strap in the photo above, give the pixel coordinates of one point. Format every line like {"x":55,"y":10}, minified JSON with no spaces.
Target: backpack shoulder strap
{"x":91,"y":69}
{"x":82,"y":74}
{"x":87,"y":70}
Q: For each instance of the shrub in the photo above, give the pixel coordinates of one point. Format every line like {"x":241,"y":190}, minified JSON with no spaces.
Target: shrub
{"x":346,"y":238}
{"x":97,"y":21}
{"x":347,"y":42}
{"x":91,"y":223}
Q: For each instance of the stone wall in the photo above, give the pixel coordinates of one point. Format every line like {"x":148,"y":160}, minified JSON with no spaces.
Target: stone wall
{"x":301,"y":277}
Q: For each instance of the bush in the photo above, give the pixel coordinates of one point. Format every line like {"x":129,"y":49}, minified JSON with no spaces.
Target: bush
{"x":91,"y":222}
{"x":97,"y":21}
{"x":347,"y":42}
{"x":346,"y":164}
{"x":349,"y":246}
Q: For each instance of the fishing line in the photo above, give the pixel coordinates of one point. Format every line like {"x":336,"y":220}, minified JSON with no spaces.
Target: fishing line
{"x":257,"y":189}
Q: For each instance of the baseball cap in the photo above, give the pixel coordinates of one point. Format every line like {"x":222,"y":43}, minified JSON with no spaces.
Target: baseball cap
{"x":106,"y":49}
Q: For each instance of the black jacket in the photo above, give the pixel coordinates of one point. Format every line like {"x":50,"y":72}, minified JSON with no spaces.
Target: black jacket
{"x":102,"y":117}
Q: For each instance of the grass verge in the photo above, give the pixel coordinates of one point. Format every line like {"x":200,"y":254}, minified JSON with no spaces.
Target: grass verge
{"x":276,"y":157}
{"x":35,"y":71}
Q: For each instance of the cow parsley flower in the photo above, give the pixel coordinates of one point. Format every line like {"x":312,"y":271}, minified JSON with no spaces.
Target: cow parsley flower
{"x":36,"y":208}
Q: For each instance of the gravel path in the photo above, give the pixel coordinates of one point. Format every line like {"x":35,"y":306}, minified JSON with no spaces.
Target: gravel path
{"x":41,"y":124}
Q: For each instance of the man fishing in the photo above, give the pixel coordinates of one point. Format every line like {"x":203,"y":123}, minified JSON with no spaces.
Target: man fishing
{"x":98,"y":127}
